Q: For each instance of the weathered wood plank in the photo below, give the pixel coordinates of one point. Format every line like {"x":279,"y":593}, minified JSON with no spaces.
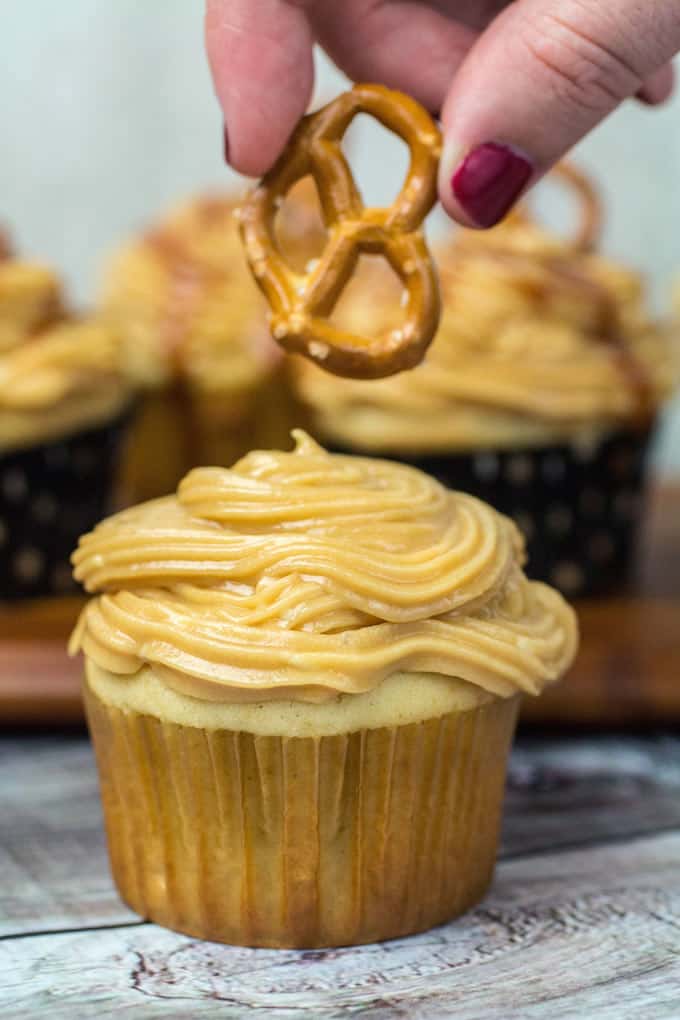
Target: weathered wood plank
{"x":53,"y":860}
{"x":592,"y":934}
{"x":571,"y":791}
{"x":52,"y":849}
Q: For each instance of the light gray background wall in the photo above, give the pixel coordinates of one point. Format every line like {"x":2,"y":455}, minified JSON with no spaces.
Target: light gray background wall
{"x":107,"y":116}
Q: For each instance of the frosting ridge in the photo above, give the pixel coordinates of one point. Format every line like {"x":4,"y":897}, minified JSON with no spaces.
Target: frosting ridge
{"x":56,"y":372}
{"x":306,"y":575}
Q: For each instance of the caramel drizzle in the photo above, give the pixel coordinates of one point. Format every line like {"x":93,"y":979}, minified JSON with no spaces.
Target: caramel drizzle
{"x":564,"y":276}
{"x":609,"y":331}
{"x":188,"y":282}
{"x":55,"y":315}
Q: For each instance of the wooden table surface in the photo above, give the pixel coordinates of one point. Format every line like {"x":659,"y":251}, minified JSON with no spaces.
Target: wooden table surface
{"x":582,"y":923}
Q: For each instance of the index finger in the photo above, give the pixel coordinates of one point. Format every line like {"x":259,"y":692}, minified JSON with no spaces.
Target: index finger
{"x":262,"y":65}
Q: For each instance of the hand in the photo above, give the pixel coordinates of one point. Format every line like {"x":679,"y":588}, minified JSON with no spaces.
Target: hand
{"x":517,"y":84}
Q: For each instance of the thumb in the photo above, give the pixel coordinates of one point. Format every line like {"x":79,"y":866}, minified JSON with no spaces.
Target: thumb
{"x":539,"y":78}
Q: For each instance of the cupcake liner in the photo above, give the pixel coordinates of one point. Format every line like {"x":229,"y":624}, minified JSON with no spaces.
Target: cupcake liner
{"x":578,"y":506}
{"x":50,"y":495}
{"x":302,"y":842}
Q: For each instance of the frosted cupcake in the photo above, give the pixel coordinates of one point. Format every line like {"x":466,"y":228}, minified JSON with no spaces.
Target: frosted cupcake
{"x":196,"y":343}
{"x":539,"y":394}
{"x":62,"y":408}
{"x":302,"y":677}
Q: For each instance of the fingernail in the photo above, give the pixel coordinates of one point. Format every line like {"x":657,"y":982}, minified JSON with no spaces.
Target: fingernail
{"x":225,"y":142}
{"x":489,"y":180}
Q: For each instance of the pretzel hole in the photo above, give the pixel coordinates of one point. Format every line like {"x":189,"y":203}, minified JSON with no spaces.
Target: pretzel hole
{"x":379,"y":160}
{"x":559,"y":207}
{"x":299,"y":229}
{"x":555,"y":207}
{"x":374,"y":301}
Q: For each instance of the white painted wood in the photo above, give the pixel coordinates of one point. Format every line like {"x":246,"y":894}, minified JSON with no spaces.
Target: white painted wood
{"x":53,"y":868}
{"x":54,"y":872}
{"x":592,"y":934}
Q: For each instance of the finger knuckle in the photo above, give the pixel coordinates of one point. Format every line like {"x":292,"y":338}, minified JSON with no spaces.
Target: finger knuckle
{"x":579,"y":69}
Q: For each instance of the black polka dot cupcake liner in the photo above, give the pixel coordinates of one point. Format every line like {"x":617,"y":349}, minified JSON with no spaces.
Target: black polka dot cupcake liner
{"x":49,"y":495}
{"x":578,"y":506}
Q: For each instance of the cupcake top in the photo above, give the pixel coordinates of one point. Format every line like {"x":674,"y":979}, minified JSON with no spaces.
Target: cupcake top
{"x":186,"y":304}
{"x":56,"y":373}
{"x":306,"y":575}
{"x":539,"y":341}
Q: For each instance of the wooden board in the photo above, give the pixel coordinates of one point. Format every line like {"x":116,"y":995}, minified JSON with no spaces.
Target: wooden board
{"x":583,"y":920}
{"x":39,"y":683}
{"x":628,"y":670}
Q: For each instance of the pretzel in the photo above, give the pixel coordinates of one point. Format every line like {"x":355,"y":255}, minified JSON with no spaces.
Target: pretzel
{"x":590,"y":225}
{"x":301,"y":302}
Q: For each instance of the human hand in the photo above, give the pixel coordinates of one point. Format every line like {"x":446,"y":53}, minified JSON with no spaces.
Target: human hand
{"x":517,"y":83}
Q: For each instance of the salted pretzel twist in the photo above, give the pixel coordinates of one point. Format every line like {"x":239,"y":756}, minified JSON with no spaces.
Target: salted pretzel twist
{"x":301,"y":302}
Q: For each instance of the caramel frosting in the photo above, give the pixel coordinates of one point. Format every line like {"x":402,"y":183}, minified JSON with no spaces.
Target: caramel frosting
{"x":186,"y":305}
{"x":308,"y":575}
{"x":538,"y":342}
{"x":30,"y":299}
{"x":56,"y":373}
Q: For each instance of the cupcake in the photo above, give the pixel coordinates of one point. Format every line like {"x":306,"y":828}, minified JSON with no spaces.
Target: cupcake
{"x":63,"y":412}
{"x":302,"y":676}
{"x":196,"y":344}
{"x":539,"y":394}
{"x":62,"y":407}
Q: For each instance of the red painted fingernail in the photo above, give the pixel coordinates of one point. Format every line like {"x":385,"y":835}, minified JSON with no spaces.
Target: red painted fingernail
{"x":489,"y":180}
{"x":226,"y":144}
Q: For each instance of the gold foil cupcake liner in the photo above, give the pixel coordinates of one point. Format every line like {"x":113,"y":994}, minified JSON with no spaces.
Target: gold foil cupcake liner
{"x":302,"y":842}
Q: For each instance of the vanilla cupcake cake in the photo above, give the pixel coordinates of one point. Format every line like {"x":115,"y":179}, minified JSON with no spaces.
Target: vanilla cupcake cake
{"x":302,"y":677}
{"x":539,"y":394}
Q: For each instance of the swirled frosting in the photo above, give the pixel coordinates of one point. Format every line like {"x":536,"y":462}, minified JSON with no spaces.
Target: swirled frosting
{"x":56,"y":373}
{"x":306,"y":575}
{"x":186,"y":305}
{"x":537,"y":342}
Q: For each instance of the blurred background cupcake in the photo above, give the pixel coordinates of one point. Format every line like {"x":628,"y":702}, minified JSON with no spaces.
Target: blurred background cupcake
{"x":539,"y":393}
{"x":195,"y":342}
{"x":63,"y":406}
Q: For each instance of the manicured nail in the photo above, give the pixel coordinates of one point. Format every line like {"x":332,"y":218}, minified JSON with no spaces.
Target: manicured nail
{"x":489,"y":180}
{"x":225,"y":140}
